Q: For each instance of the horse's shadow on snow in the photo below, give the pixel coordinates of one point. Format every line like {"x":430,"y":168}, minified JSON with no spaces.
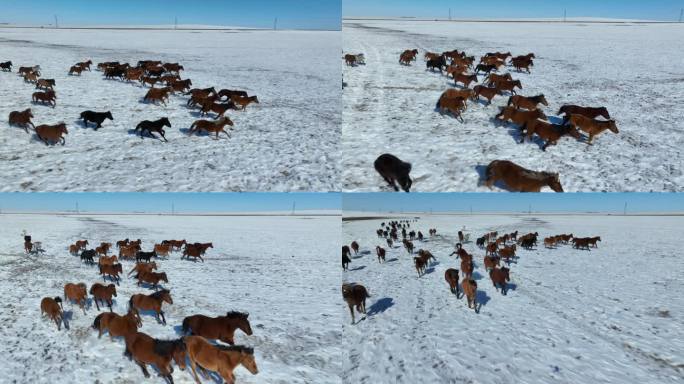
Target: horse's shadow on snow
{"x":380,"y":306}
{"x":482,"y":299}
{"x":66,"y":318}
{"x":391,"y":260}
{"x":360,"y":267}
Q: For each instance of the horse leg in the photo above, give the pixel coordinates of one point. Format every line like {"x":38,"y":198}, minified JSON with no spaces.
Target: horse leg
{"x":351,"y":310}
{"x":163,"y":318}
{"x":97,"y":305}
{"x":143,"y":367}
{"x":194,"y":371}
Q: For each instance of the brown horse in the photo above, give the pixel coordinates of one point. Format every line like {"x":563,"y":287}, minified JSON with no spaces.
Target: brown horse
{"x":355,"y":295}
{"x":149,"y":80}
{"x":519,"y":117}
{"x":529,"y":103}
{"x":507,"y":253}
{"x":452,"y":93}
{"x":350,"y":59}
{"x":591,"y":126}
{"x":152,"y":278}
{"x":589,"y":112}
{"x":508,"y":85}
{"x":116,"y":324}
{"x":420,"y":264}
{"x":192,"y":251}
{"x":592,"y":241}
{"x":486,"y":92}
{"x":218,"y":358}
{"x":160,"y":95}
{"x":464,"y":79}
{"x":147,"y":350}
{"x":134,"y":74}
{"x":107,"y":260}
{"x":216,"y":126}
{"x":467,"y":267}
{"x":48,"y":97}
{"x":162,"y":249}
{"x":218,"y":108}
{"x":520,"y":179}
{"x":455,"y":106}
{"x":51,"y":133}
{"x":494,"y":78}
{"x":220,"y":328}
{"x":520,"y":63}
{"x":469,"y":287}
{"x":500,"y":276}
{"x":491,"y":262}
{"x":112,"y":270}
{"x":151,"y":302}
{"x":243,"y":102}
{"x":143,"y":267}
{"x":74,"y":249}
{"x":355,"y":247}
{"x":22,"y":119}
{"x":454,"y":70}
{"x":81,"y":244}
{"x":549,"y":133}
{"x":180,"y":85}
{"x":45,"y":84}
{"x":75,"y":70}
{"x":492,"y":248}
{"x":103,"y":293}
{"x":451,"y":277}
{"x":52,"y":307}
{"x":77,"y":293}
{"x":381,"y":253}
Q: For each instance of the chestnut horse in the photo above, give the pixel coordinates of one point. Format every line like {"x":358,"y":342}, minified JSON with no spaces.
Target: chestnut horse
{"x":499,"y":277}
{"x":520,"y":179}
{"x":48,"y":97}
{"x":529,"y":103}
{"x":143,"y":268}
{"x":52,"y":307}
{"x":103,"y":293}
{"x":220,"y":328}
{"x":381,"y":254}
{"x":355,"y":247}
{"x":355,"y":295}
{"x":519,"y":117}
{"x":469,"y":287}
{"x":151,"y":302}
{"x":591,"y":126}
{"x":548,"y":132}
{"x":216,"y":126}
{"x":48,"y":133}
{"x":589,"y":112}
{"x":219,"y":358}
{"x":152,"y":278}
{"x":77,"y":293}
{"x":116,"y":324}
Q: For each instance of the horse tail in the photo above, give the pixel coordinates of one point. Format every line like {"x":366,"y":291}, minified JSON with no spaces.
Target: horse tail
{"x":186,"y":325}
{"x":510,"y":100}
{"x":130,"y":302}
{"x":138,"y":126}
{"x":96,"y":323}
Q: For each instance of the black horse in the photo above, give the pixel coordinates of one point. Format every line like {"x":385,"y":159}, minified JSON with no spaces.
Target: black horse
{"x":6,"y":66}
{"x":156,"y":126}
{"x":230,"y":92}
{"x":88,"y":256}
{"x":394,"y":171}
{"x":95,"y":117}
{"x":438,"y":62}
{"x":485,"y":68}
{"x":146,"y":256}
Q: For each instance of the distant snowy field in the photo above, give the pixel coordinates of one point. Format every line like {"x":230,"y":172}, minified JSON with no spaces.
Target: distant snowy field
{"x":288,"y":142}
{"x":275,"y":268}
{"x":634,"y":70}
{"x":609,"y":315}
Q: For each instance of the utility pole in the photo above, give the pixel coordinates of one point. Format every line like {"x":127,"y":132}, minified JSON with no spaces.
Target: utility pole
{"x":449,"y":14}
{"x":175,"y":23}
{"x":681,"y":14}
{"x":624,"y":211}
{"x":77,"y":207}
{"x":173,"y":208}
{"x":275,"y":24}
{"x":530,"y":210}
{"x":56,"y":22}
{"x":294,"y":205}
{"x":565,"y":15}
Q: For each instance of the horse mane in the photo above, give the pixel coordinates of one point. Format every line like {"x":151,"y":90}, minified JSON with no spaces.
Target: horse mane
{"x":166,"y":347}
{"x":235,"y":348}
{"x":535,"y":175}
{"x":236,"y":314}
{"x":158,"y":294}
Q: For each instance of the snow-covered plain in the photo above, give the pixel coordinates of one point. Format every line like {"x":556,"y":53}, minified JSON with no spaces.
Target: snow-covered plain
{"x":288,"y":142}
{"x":635,"y":70}
{"x":275,"y":268}
{"x":609,"y":315}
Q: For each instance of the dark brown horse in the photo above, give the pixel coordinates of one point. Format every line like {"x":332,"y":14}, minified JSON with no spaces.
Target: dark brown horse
{"x":499,"y":277}
{"x":451,"y":277}
{"x":145,"y":349}
{"x":589,"y":112}
{"x":22,"y":119}
{"x":116,"y":324}
{"x":548,"y":132}
{"x":220,"y":328}
{"x":103,"y":293}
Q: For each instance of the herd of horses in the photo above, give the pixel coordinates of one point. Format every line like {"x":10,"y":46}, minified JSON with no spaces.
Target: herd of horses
{"x":497,"y":248}
{"x":523,"y":111}
{"x":145,"y":73}
{"x":197,"y":344}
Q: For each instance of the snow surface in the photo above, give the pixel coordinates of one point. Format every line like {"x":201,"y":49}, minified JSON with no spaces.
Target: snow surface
{"x":288,"y":142}
{"x":275,"y":268}
{"x":636,"y":71}
{"x":609,"y":315}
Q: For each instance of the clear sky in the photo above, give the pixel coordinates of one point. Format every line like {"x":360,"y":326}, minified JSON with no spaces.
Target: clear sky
{"x":618,"y":9}
{"x":291,"y":14}
{"x":514,"y":202}
{"x":161,"y":202}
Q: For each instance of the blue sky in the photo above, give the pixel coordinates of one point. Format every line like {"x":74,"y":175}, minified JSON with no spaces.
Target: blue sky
{"x":161,"y":202}
{"x":514,"y":202}
{"x":623,"y":9}
{"x":291,"y":14}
